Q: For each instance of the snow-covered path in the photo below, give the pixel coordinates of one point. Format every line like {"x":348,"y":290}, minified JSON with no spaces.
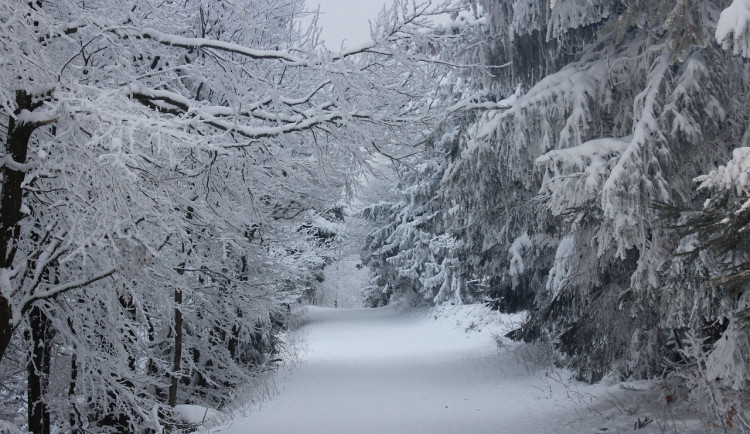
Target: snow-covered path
{"x":385,"y":371}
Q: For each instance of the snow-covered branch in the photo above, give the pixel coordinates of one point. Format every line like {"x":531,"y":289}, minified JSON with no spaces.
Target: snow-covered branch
{"x":14,"y":165}
{"x":206,"y":43}
{"x":733,"y":28}
{"x":29,"y":299}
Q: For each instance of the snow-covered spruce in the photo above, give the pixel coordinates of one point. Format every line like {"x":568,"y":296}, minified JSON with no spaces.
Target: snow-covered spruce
{"x":566,"y":195}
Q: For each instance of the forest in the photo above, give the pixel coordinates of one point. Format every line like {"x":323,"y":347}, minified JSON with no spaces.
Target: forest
{"x":173,"y":172}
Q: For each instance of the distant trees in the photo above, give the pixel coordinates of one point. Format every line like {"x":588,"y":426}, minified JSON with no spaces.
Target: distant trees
{"x":413,"y":252}
{"x":559,"y":199}
{"x":161,"y":165}
{"x":408,"y":253}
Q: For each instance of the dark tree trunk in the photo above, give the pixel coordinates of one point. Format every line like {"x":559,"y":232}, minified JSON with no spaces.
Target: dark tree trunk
{"x":178,"y":332}
{"x":38,"y":367}
{"x":234,"y":340}
{"x":152,"y":367}
{"x":177,"y":365}
{"x":74,"y":419}
{"x":11,"y":194}
{"x":6,"y":324}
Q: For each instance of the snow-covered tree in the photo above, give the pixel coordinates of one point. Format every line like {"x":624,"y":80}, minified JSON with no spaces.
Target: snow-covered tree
{"x":409,"y":254}
{"x":706,"y":300}
{"x":557,"y":195}
{"x":161,"y":161}
{"x":412,"y":252}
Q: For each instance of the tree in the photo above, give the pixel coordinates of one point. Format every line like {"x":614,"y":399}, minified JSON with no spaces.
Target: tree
{"x":555,"y":197}
{"x":413,"y":252}
{"x":157,"y":156}
{"x":707,"y":284}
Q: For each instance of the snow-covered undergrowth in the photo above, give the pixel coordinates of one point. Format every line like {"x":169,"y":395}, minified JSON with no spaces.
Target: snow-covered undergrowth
{"x":610,"y":406}
{"x":292,"y":352}
{"x":477,"y":318}
{"x":195,"y":414}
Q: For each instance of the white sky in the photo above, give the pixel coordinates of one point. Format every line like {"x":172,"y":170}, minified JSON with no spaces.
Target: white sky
{"x":346,"y":20}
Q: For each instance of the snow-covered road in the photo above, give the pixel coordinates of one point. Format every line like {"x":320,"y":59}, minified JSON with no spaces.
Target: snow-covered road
{"x":386,"y":371}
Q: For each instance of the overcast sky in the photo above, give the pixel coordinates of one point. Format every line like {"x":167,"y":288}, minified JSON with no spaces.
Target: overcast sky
{"x":346,"y":20}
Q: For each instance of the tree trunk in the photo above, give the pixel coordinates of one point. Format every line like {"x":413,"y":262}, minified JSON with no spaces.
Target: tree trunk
{"x":177,"y":361}
{"x":177,"y":365}
{"x":234,"y":341}
{"x":11,"y":193}
{"x":6,"y":324}
{"x":74,"y":418}
{"x":38,"y":367}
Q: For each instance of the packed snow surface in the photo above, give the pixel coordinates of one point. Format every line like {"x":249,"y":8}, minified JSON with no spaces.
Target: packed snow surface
{"x":381,"y":370}
{"x":432,"y":371}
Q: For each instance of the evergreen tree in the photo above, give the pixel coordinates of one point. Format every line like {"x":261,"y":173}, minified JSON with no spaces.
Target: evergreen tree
{"x":556,"y":196}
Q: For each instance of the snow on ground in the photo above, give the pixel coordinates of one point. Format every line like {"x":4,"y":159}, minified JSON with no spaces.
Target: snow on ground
{"x":194,"y":414}
{"x":434,"y":371}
